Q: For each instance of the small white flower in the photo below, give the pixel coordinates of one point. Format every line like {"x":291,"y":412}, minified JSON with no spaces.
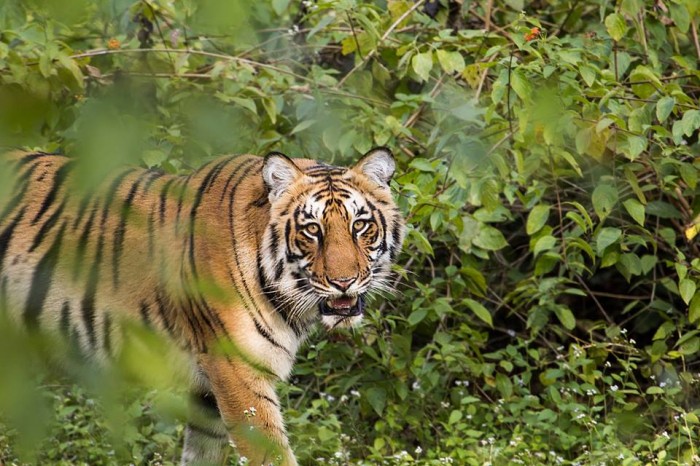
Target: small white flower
{"x":242,"y":460}
{"x":418,"y":450}
{"x":614,"y":388}
{"x":355,"y":393}
{"x":415,"y":386}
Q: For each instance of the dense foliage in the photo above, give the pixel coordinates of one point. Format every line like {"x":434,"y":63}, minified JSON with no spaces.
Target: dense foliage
{"x":546,"y":311}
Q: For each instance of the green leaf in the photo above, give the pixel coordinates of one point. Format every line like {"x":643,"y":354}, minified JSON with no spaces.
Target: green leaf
{"x":153,"y":158}
{"x":635,"y":209}
{"x":455,"y":416}
{"x":537,"y":219}
{"x":689,"y":174}
{"x":280,"y":6}
{"x":521,"y":85}
{"x":588,"y":73}
{"x":664,"y":107}
{"x":450,"y":61}
{"x":681,"y":16}
{"x":544,"y":244}
{"x":302,"y":126}
{"x":694,"y":309}
{"x":606,"y":237}
{"x":655,"y":390}
{"x":490,"y":238}
{"x":417,"y":316}
{"x":690,"y":122}
{"x":604,"y":199}
{"x":423,"y":165}
{"x":504,"y":385}
{"x":480,"y":311}
{"x":565,"y":316}
{"x":422,"y":64}
{"x":687,"y":287}
{"x":376,"y":396}
{"x":616,"y":26}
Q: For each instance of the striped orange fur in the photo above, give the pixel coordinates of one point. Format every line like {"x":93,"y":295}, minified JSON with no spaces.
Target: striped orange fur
{"x":247,"y":252}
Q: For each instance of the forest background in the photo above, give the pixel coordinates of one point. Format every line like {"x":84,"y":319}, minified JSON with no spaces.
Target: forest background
{"x":547,"y":309}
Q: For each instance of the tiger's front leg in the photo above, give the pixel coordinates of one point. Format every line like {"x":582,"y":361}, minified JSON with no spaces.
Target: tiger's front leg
{"x":250,"y":410}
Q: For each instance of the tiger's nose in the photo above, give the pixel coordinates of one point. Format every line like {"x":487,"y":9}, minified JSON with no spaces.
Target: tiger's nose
{"x":341,"y":283}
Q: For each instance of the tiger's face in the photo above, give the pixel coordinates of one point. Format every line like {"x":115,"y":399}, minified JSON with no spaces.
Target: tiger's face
{"x":333,"y":235}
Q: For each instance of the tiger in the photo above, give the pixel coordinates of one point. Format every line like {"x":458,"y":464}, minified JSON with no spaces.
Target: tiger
{"x":250,"y":251}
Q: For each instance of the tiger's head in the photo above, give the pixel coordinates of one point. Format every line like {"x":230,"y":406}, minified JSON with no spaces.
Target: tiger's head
{"x":332,"y":237}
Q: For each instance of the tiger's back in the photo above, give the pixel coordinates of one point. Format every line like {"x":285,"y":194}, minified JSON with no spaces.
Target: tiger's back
{"x":136,"y":246}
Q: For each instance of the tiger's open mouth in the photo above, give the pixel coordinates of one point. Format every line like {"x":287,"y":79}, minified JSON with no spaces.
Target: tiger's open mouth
{"x":345,"y":306}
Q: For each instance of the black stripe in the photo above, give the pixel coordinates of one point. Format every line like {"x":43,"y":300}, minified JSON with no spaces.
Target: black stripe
{"x":274,"y":240}
{"x":164,"y":198}
{"x":23,"y":180}
{"x":27,"y":158}
{"x":268,"y":337}
{"x":47,"y":226}
{"x":107,"y":333}
{"x":206,"y":431}
{"x":229,"y":180}
{"x":6,"y":235}
{"x":164,"y":313}
{"x":65,"y":319}
{"x":208,"y":180}
{"x":83,"y":241}
{"x":151,"y":232}
{"x":180,"y":201}
{"x":41,"y":282}
{"x":58,"y":180}
{"x":206,"y":401}
{"x":111,"y":192}
{"x":120,"y":232}
{"x":82,"y":208}
{"x":154,"y":175}
{"x":87,"y":304}
{"x":396,"y":236}
{"x":3,"y":296}
{"x":145,"y":316}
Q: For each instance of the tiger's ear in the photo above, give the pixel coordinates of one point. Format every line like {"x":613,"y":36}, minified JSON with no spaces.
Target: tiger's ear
{"x":279,"y":172}
{"x":378,"y":165}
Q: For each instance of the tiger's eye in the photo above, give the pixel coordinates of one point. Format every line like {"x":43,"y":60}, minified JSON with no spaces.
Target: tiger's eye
{"x":358,"y":225}
{"x":312,"y":228}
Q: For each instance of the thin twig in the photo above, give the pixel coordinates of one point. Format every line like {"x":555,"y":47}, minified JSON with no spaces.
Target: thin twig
{"x":510,"y":70}
{"x":694,"y":30}
{"x":253,"y":63}
{"x":354,"y":36}
{"x":487,"y":15}
{"x":373,"y":52}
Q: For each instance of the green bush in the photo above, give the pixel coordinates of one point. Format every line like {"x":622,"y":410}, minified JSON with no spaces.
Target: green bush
{"x":546,"y":310}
